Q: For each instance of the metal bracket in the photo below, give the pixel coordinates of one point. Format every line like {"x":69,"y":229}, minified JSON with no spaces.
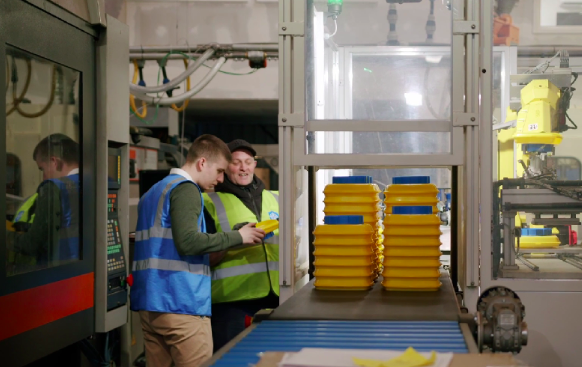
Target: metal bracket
{"x":292,"y":119}
{"x":465,"y":119}
{"x":465,"y":27}
{"x":296,"y":29}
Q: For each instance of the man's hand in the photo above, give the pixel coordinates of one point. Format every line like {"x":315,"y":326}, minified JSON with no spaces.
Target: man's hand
{"x":251,"y":235}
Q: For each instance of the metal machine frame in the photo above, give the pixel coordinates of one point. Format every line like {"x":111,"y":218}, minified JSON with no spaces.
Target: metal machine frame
{"x":100,"y":55}
{"x":471,"y":52}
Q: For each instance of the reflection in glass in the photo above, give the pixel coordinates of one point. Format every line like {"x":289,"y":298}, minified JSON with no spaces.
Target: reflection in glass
{"x":43,"y":158}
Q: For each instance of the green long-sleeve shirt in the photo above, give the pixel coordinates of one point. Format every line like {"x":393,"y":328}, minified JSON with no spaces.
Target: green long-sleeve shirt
{"x":185,"y":207}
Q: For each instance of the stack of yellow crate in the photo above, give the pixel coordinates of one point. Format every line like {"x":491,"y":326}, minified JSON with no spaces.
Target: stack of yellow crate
{"x":344,"y":254}
{"x":412,"y":235}
{"x":357,"y":195}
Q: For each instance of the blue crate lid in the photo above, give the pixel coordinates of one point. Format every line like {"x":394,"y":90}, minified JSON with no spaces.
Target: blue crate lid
{"x":351,"y":179}
{"x":343,"y":219}
{"x":410,"y":180}
{"x":414,"y":210}
{"x":531,"y":232}
{"x":538,"y":148}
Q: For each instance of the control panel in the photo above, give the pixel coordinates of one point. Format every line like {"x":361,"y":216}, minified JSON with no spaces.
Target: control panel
{"x":116,"y":259}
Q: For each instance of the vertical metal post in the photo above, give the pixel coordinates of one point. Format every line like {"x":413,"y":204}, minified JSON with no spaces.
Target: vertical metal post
{"x":454,"y":263}
{"x":285,"y":142}
{"x":312,"y":205}
{"x":486,"y":126}
{"x":471,"y":169}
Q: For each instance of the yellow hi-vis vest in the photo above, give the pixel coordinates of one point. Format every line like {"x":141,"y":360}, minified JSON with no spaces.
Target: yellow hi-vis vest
{"x":248,"y":273}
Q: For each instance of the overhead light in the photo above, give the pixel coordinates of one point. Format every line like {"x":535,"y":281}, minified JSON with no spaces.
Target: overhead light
{"x":433,"y":59}
{"x":413,"y":99}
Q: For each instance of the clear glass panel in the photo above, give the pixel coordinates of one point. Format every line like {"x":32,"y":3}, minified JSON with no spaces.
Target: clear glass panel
{"x":399,"y":85}
{"x":441,"y":177}
{"x":348,"y":142}
{"x":43,"y":161}
{"x":378,"y":61}
{"x":534,"y":220}
{"x":560,"y":13}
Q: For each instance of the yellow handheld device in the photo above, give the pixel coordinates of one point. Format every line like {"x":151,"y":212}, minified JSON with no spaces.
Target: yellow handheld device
{"x":268,"y":225}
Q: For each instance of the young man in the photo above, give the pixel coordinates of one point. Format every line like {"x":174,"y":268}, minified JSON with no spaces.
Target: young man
{"x":48,"y":222}
{"x":245,"y":280}
{"x":171,"y":273}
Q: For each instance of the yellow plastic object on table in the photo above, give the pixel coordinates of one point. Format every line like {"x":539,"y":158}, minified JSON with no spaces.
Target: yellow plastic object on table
{"x":410,"y":358}
{"x":538,"y":242}
{"x":268,"y":225}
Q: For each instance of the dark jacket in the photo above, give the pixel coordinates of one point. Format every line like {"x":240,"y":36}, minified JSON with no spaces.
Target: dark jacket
{"x":251,"y":195}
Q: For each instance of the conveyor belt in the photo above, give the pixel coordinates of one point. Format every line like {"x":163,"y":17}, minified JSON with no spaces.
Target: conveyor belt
{"x":292,"y":336}
{"x":376,"y":304}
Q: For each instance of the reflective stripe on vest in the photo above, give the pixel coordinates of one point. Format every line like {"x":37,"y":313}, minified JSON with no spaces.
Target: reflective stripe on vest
{"x":171,"y":265}
{"x":244,"y":270}
{"x":245,"y":273}
{"x":164,"y":280}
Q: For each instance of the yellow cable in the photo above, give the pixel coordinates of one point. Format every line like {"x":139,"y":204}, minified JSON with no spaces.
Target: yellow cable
{"x":17,"y":100}
{"x":49,"y":103}
{"x":132,"y":97}
{"x":185,"y":104}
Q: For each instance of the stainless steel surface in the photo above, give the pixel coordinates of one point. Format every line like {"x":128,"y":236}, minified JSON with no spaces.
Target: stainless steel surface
{"x":556,"y":221}
{"x":549,"y":269}
{"x":268,"y":47}
{"x":230,"y":55}
{"x":551,"y":341}
{"x":113,"y":126}
{"x":560,"y":250}
{"x":538,"y":196}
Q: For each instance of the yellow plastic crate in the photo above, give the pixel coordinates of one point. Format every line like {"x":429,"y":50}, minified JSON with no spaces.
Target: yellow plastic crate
{"x":334,"y":283}
{"x":411,"y":284}
{"x":393,"y":272}
{"x":412,"y":252}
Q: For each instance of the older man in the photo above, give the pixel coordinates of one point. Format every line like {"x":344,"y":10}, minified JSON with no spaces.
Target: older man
{"x":244,"y":280}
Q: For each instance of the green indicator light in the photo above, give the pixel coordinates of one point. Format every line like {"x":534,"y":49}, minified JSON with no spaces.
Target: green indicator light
{"x":368,"y":70}
{"x":335,"y":2}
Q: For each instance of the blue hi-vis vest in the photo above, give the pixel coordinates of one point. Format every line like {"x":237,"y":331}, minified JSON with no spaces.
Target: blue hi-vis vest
{"x":163,"y":280}
{"x":69,"y":187}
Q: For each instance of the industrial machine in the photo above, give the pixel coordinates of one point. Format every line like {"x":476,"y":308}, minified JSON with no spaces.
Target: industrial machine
{"x":350,"y":104}
{"x":74,"y":94}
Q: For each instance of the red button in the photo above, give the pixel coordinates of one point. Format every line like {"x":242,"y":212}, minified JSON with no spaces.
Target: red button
{"x":248,"y":321}
{"x":130,"y":280}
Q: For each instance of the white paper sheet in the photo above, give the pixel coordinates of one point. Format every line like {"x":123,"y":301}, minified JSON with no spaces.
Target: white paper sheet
{"x":320,"y":357}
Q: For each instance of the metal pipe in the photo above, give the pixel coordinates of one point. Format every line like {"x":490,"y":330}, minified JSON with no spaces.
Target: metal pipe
{"x":547,"y":51}
{"x":165,"y":101}
{"x":177,"y":80}
{"x":218,"y":54}
{"x":273,"y":47}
